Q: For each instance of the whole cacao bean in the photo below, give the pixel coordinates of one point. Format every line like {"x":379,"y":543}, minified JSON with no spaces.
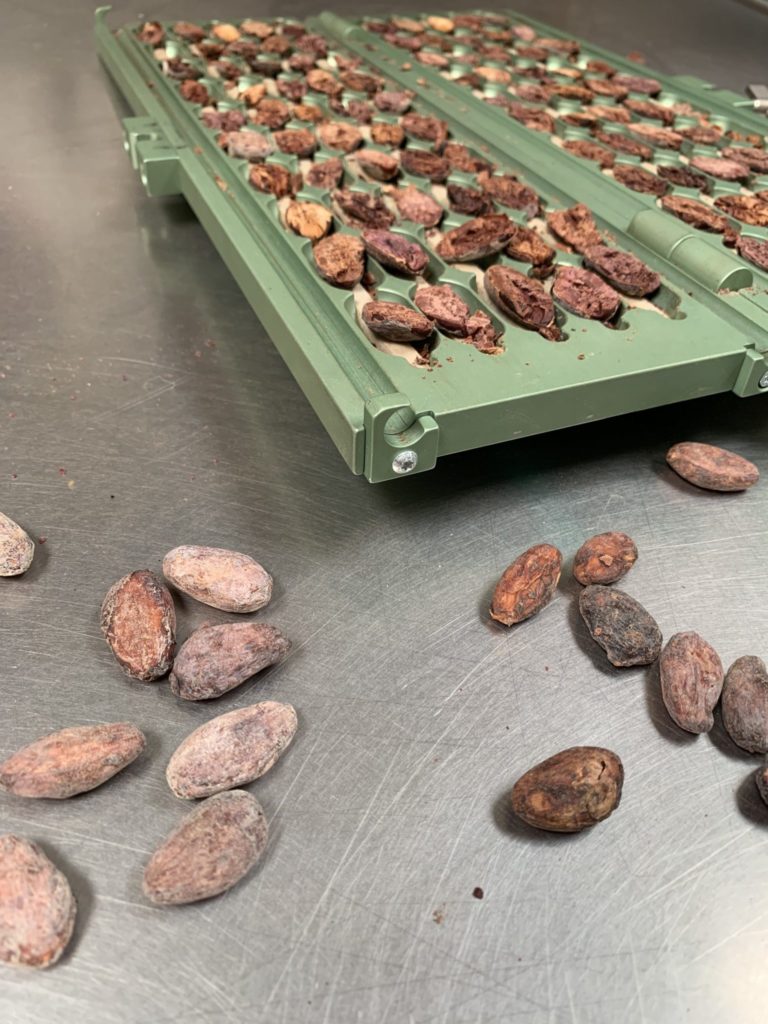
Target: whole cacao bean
{"x":620,"y":624}
{"x":712,"y":468}
{"x":761,"y":778}
{"x":215,"y":659}
{"x":604,"y":558}
{"x":71,"y":761}
{"x":570,"y":791}
{"x":215,"y":846}
{"x":745,"y":704}
{"x":37,"y":908}
{"x":222,"y":579}
{"x":17,"y":548}
{"x":691,"y":681}
{"x":138,"y":621}
{"x":527,"y":585}
{"x":231,"y":750}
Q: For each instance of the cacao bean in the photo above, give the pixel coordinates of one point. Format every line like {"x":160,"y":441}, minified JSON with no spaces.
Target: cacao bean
{"x":71,"y":761}
{"x":527,"y":585}
{"x":712,"y":468}
{"x":231,"y":750}
{"x":212,"y":849}
{"x":570,"y":791}
{"x":604,"y":558}
{"x":17,"y":549}
{"x":620,"y":624}
{"x":37,"y":908}
{"x":228,"y":580}
{"x":745,"y":704}
{"x":215,"y":659}
{"x":138,"y":621}
{"x":691,"y":681}
{"x":340,"y":259}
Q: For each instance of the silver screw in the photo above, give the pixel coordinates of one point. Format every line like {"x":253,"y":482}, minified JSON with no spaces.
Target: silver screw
{"x":406,"y":461}
{"x":763,"y":382}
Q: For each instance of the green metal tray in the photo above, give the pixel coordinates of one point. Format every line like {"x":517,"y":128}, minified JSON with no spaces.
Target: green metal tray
{"x":390,"y":411}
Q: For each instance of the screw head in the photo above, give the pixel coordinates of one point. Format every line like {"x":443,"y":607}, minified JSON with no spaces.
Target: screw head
{"x":763,"y":382}
{"x":405,"y":461}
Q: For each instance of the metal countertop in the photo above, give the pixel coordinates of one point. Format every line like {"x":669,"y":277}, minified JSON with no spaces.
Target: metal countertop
{"x":143,"y":407}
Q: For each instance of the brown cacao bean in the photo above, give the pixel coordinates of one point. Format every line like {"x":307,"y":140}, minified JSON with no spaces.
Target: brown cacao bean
{"x":327,"y":174}
{"x":363,"y":210}
{"x":274,"y":179}
{"x":393,"y":102}
{"x":527,"y":585}
{"x":507,"y":190}
{"x":231,"y":750}
{"x":620,"y":624}
{"x":425,"y":164}
{"x":215,"y":659}
{"x":712,"y":468}
{"x":417,"y":206}
{"x":139,"y":623}
{"x":215,"y":846}
{"x":587,"y":150}
{"x":698,"y":215}
{"x":570,"y":791}
{"x":683,"y":176}
{"x":189,"y":31}
{"x":721,"y":167}
{"x":639,"y":83}
{"x":228,"y":580}
{"x":395,"y":252}
{"x":37,"y":908}
{"x":522,"y":299}
{"x":17,"y":549}
{"x":385,"y":134}
{"x":639,"y":180}
{"x":441,"y":303}
{"x":755,"y":159}
{"x":622,"y":270}
{"x":585,"y":294}
{"x":395,"y":322}
{"x":575,"y":226}
{"x":71,"y":761}
{"x":753,"y":249}
{"x":477,"y":238}
{"x":151,"y":32}
{"x":310,"y":220}
{"x":691,"y":681}
{"x":340,"y":259}
{"x":251,"y":146}
{"x":649,"y":109}
{"x":378,"y":165}
{"x":747,"y":209}
{"x":300,"y":142}
{"x":604,"y":558}
{"x":745,"y":704}
{"x":337,"y":135}
{"x":761,"y":778}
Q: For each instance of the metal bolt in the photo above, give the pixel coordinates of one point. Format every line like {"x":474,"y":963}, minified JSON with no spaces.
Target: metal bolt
{"x":763,"y":382}
{"x":406,"y":461}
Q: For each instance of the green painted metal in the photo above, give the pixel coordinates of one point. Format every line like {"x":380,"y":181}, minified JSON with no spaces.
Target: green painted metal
{"x":693,"y":340}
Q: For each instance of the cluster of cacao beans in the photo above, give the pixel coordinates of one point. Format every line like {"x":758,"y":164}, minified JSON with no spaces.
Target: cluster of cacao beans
{"x":217,"y":843}
{"x":580,"y":786}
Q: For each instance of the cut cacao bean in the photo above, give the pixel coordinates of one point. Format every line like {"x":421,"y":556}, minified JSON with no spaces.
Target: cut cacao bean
{"x":378,"y":165}
{"x":340,"y":259}
{"x":575,"y":226}
{"x":417,"y":206}
{"x":622,"y":270}
{"x":585,"y":294}
{"x":395,"y":322}
{"x":522,"y":299}
{"x":476,"y":239}
{"x":395,"y":251}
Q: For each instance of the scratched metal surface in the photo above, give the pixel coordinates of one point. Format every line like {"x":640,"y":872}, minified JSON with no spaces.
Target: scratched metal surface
{"x":144,"y":407}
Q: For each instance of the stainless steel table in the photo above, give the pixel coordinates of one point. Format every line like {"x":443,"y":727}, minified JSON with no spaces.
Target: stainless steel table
{"x":143,"y":407}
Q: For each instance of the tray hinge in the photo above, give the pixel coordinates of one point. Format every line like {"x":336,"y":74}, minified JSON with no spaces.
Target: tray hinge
{"x":398,"y":440}
{"x":678,"y":243}
{"x":152,"y":156}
